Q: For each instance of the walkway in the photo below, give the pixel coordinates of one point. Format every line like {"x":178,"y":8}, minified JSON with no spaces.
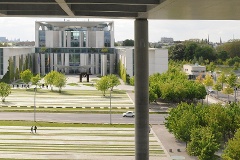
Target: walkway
{"x":88,"y":143}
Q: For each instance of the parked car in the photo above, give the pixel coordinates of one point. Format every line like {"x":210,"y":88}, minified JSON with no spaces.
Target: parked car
{"x":129,"y":114}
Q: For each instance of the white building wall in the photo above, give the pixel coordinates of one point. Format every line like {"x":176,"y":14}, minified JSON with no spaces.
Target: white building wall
{"x":49,"y":38}
{"x":158,"y":60}
{"x":99,"y":39}
{"x":91,"y":39}
{"x":68,"y":39}
{"x":14,"y":51}
{"x":112,"y":38}
{"x":37,"y":26}
{"x":129,"y":62}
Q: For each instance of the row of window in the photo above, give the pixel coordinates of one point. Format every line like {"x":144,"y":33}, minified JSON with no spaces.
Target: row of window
{"x":74,"y":50}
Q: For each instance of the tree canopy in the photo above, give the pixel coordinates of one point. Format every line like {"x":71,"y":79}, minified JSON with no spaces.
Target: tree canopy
{"x":128,"y":42}
{"x":26,"y":76}
{"x":107,"y":82}
{"x":5,"y":90}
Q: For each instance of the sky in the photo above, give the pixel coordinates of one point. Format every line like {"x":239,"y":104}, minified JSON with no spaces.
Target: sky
{"x":24,"y":28}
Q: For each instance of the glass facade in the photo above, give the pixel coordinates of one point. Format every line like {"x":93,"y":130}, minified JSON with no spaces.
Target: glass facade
{"x":42,"y":39}
{"x":107,"y":39}
{"x":74,"y":38}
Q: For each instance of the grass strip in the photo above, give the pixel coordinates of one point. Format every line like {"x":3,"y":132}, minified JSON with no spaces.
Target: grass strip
{"x":57,"y":124}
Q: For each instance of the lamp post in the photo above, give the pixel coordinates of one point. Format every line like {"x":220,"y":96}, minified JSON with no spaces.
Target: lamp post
{"x":35,"y":89}
{"x":110,"y":106}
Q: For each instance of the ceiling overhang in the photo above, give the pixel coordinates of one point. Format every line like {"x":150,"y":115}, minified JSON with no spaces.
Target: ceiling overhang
{"x":130,"y":9}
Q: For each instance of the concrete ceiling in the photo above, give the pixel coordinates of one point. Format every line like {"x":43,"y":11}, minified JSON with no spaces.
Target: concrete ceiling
{"x":130,"y":9}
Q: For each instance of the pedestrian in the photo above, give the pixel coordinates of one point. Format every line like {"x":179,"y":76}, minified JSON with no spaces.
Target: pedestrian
{"x":32,"y":129}
{"x":35,"y":129}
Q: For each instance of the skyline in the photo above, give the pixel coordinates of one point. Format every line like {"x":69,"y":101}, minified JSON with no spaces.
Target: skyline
{"x":179,"y":30}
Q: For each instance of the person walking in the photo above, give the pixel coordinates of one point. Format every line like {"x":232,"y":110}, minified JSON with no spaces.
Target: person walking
{"x":35,"y":129}
{"x":32,"y":129}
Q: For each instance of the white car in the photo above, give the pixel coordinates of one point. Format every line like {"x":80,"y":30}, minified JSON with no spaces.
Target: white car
{"x":129,"y":114}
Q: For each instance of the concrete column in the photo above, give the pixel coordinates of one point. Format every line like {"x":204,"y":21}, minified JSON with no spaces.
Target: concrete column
{"x":92,"y":63}
{"x":97,"y":63}
{"x":103,"y":65}
{"x":51,"y":61}
{"x":55,"y":61}
{"x":111,"y":64}
{"x":66,"y":62}
{"x":141,"y":90}
{"x":42,"y":64}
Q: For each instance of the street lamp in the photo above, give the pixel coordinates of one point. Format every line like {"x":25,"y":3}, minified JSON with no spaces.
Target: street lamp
{"x":110,"y":106}
{"x":35,"y":90}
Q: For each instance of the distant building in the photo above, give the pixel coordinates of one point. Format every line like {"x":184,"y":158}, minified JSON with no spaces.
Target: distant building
{"x":3,"y":39}
{"x":166,"y":40}
{"x":73,"y":47}
{"x":18,"y":55}
{"x":194,"y":70}
{"x":158,"y":60}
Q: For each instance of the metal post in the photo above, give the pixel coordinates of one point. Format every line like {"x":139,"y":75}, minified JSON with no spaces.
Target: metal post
{"x":141,"y":71}
{"x":35,"y":89}
{"x":110,"y":106}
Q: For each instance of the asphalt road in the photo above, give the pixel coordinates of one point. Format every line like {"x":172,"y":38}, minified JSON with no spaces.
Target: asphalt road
{"x":77,"y":118}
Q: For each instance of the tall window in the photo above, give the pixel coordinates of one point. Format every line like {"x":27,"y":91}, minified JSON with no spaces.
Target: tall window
{"x":74,"y":38}
{"x":42,"y":39}
{"x":107,"y":39}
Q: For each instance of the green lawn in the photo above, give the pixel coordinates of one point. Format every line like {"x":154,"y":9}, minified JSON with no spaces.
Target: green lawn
{"x":58,"y":124}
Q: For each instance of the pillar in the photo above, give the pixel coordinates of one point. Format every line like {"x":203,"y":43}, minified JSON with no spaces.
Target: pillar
{"x":141,"y":69}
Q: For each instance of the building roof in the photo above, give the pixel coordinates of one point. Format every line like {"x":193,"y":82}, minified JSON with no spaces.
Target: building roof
{"x":77,"y":23}
{"x":151,"y":9}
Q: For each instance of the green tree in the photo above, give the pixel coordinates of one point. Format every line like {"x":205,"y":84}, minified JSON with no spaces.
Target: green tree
{"x":231,"y":80}
{"x":223,"y":55}
{"x":113,"y":81}
{"x":132,"y":81}
{"x":26,"y":76}
{"x":203,"y":143}
{"x":11,"y":69}
{"x":60,"y":81}
{"x":5,"y":90}
{"x":17,"y":74}
{"x":208,"y":81}
{"x":211,"y":67}
{"x":104,"y":50}
{"x":228,"y":90}
{"x":221,"y":79}
{"x":232,"y":48}
{"x":103,"y":84}
{"x":218,"y":87}
{"x":232,"y":150}
{"x":176,"y":52}
{"x":49,"y":78}
{"x":182,"y":120}
{"x":128,"y":42}
{"x":35,"y":80}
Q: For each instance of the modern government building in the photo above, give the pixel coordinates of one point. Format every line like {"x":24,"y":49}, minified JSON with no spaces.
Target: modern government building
{"x":74,"y":47}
